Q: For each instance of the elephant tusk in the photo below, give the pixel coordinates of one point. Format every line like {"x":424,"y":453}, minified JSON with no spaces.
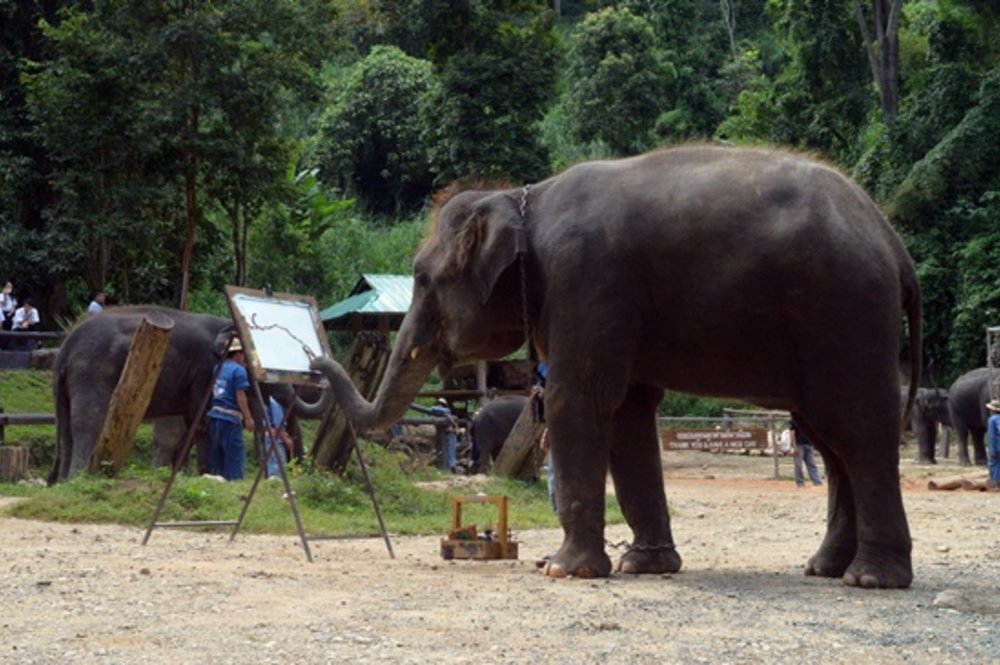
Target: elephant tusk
{"x":415,"y":353}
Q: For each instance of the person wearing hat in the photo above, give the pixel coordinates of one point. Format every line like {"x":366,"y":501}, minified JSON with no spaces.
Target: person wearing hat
{"x":993,"y":443}
{"x":447,"y":439}
{"x":230,"y":413}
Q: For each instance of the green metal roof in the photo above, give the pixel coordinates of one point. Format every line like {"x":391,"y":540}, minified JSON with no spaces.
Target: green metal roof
{"x":374,"y":296}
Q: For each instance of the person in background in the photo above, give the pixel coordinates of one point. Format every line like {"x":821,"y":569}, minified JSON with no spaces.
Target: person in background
{"x":7,"y":305}
{"x":96,"y":305}
{"x":805,"y":454}
{"x":25,"y":320}
{"x":447,"y":438}
{"x":285,"y":444}
{"x":993,"y":445}
{"x":230,"y":409}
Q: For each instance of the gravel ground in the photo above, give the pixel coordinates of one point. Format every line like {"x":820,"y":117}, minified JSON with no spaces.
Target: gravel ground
{"x":93,"y":594}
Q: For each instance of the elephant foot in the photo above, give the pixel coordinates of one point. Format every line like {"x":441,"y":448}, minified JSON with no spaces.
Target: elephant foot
{"x":830,"y":562}
{"x":881,"y":572}
{"x":565,"y":564}
{"x":654,"y":560}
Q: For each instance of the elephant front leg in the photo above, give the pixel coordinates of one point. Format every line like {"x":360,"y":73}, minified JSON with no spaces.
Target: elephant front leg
{"x":638,"y":475}
{"x":579,"y":456}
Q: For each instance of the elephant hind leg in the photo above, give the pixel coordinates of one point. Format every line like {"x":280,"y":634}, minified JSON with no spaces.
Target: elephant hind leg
{"x":638,"y":476}
{"x":865,"y":511}
{"x":88,"y":411}
{"x":840,"y":545}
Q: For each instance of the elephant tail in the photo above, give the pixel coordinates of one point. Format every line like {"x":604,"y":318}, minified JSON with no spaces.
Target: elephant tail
{"x":63,"y":443}
{"x":914,"y":311}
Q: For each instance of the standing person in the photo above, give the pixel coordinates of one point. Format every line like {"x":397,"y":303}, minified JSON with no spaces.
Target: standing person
{"x":804,"y":454}
{"x":285,"y":444}
{"x":230,"y":409}
{"x":25,"y":320}
{"x":538,"y":404}
{"x":7,"y":305}
{"x":993,"y":444}
{"x":96,"y":305}
{"x":447,"y":439}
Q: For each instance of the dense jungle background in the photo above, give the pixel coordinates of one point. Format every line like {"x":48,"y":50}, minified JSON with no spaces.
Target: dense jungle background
{"x":159,"y":150}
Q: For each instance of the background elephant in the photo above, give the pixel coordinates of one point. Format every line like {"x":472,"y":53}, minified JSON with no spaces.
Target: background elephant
{"x":967,"y":400}
{"x":740,"y":273}
{"x":930,"y":409}
{"x":90,"y":363}
{"x":492,"y":424}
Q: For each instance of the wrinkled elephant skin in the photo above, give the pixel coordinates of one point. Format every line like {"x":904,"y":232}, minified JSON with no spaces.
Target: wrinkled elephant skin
{"x":738,"y":273}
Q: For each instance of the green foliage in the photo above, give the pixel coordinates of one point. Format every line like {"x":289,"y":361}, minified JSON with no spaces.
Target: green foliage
{"x":618,"y":81}
{"x":963,"y":163}
{"x":371,"y":138}
{"x":676,"y":405}
{"x":494,"y":92}
{"x":328,"y":504}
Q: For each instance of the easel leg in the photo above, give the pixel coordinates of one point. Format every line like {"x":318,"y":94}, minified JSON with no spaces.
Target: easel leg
{"x":371,"y":492}
{"x":185,"y":449}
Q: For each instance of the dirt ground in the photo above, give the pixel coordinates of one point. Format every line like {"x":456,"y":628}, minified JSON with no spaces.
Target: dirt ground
{"x":94,"y":594}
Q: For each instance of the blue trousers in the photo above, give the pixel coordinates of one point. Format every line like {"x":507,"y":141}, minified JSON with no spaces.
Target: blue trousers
{"x":228,"y":456}
{"x":806,"y":455}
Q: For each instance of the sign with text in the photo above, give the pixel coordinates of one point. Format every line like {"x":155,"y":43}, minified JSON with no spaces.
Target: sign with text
{"x":713,"y":439}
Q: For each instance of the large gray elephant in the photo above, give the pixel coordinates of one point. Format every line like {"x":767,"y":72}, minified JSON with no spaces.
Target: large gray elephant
{"x":492,"y":424}
{"x":740,"y":273}
{"x":90,"y":363}
{"x":967,"y":398}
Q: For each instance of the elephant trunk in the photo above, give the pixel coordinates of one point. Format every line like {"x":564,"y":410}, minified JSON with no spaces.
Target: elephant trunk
{"x":408,"y":368}
{"x":313,"y":410}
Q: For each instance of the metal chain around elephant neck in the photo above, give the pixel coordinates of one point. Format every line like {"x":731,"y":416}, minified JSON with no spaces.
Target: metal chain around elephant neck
{"x":522,"y":250}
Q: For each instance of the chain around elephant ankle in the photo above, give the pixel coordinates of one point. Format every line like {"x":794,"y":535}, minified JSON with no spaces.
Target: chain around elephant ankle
{"x":632,"y":547}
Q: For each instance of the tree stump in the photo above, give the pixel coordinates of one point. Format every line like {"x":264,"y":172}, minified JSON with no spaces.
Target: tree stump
{"x":131,"y":396}
{"x":13,"y":463}
{"x":521,"y":456}
{"x":334,"y":441}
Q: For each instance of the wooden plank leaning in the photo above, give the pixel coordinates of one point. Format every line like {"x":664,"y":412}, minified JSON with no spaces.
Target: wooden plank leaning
{"x":521,"y":456}
{"x":131,"y":396}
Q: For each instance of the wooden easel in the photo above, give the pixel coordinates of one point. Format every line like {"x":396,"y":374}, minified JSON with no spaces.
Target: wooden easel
{"x":268,"y":448}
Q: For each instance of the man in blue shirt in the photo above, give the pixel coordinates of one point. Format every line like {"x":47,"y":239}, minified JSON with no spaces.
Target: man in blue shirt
{"x":805,"y":455}
{"x":993,"y":444}
{"x":230,"y":410}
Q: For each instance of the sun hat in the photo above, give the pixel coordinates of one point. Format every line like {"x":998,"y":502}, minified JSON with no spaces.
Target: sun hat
{"x":993,"y":405}
{"x":235,"y":345}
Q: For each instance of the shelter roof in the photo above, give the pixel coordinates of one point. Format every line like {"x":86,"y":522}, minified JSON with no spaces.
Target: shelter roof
{"x":376,"y":302}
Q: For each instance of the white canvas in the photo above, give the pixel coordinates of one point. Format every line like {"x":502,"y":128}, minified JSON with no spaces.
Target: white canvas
{"x":281,"y":330}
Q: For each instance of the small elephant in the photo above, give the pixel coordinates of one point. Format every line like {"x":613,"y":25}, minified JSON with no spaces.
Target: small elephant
{"x":750,"y":274}
{"x":967,"y":398}
{"x":90,"y":363}
{"x":492,"y":424}
{"x":930,"y":409}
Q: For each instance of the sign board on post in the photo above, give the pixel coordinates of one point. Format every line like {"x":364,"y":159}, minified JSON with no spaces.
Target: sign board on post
{"x":714,"y":439}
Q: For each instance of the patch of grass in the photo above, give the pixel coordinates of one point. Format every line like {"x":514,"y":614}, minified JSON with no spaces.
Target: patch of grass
{"x":328,"y":504}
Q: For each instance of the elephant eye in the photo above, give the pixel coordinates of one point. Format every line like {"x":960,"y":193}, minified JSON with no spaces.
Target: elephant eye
{"x":421,"y":280}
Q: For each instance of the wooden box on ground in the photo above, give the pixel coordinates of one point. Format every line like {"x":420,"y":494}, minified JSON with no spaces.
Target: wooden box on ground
{"x":464,"y":542}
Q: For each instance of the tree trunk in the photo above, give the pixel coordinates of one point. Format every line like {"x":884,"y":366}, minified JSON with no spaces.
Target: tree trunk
{"x":369,"y":359}
{"x":13,"y":463}
{"x":131,"y":396}
{"x":884,"y":64}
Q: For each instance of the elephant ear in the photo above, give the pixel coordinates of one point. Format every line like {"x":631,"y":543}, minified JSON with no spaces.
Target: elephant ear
{"x":489,"y":242}
{"x":221,"y":340}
